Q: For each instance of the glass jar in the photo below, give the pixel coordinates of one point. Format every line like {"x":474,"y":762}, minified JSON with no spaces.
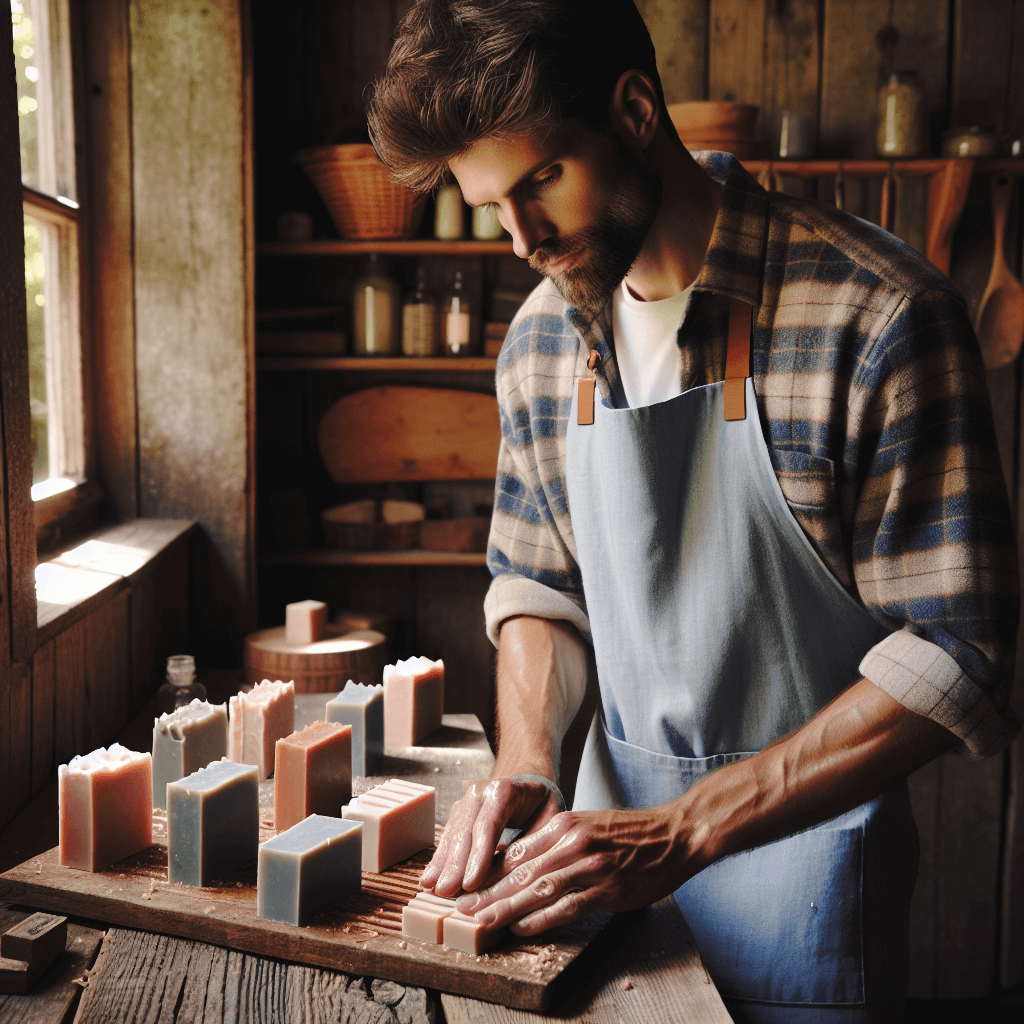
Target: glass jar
{"x":180,"y":687}
{"x":419,"y":319}
{"x":902,"y":118}
{"x":448,"y":214}
{"x":455,"y":319}
{"x":486,"y":226}
{"x":376,"y":312}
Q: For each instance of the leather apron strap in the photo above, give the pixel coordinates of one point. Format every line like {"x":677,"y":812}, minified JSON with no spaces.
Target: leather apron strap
{"x":737,"y":359}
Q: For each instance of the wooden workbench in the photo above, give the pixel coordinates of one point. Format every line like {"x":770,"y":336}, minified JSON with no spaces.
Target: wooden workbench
{"x":645,"y":968}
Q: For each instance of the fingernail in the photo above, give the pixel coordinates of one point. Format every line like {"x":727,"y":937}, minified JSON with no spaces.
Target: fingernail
{"x":466,"y":904}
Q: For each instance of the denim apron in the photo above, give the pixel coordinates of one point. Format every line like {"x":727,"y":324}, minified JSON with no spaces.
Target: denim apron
{"x":717,"y":630}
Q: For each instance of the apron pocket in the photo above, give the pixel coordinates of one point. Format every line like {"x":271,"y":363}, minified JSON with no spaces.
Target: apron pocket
{"x":782,"y":923}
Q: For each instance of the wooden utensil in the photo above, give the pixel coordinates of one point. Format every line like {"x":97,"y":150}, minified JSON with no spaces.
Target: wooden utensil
{"x":1000,"y":323}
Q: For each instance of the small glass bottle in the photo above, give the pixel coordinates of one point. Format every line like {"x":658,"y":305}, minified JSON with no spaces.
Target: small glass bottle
{"x":181,"y":687}
{"x":486,"y":226}
{"x":449,"y":214}
{"x":419,"y":319}
{"x":902,"y":117}
{"x":455,"y":322}
{"x":376,"y":312}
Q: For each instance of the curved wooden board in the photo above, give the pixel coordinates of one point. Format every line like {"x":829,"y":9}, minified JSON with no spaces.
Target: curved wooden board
{"x":395,"y":433}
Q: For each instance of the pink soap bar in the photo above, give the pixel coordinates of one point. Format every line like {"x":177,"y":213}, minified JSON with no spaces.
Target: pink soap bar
{"x":105,"y":807}
{"x":468,"y":935}
{"x":423,"y":917}
{"x":257,"y":720}
{"x":413,"y":700}
{"x":398,"y":821}
{"x":312,"y":773}
{"x":305,"y":622}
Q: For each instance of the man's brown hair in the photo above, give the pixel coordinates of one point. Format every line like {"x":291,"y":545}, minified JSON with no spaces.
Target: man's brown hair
{"x":464,"y":70}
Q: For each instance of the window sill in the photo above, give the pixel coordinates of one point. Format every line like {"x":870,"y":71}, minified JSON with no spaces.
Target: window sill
{"x":65,"y":512}
{"x":77,"y":580}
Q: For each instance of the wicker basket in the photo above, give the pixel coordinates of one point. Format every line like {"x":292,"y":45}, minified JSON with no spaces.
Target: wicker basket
{"x":361,"y":197}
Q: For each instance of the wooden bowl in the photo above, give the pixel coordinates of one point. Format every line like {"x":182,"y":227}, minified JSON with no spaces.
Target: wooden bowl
{"x":720,"y":120}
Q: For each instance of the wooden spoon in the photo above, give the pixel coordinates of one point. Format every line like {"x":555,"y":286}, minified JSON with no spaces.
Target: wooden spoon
{"x":1000,"y":323}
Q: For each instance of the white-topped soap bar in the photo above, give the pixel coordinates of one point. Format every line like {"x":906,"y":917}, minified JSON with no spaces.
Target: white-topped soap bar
{"x":186,"y":740}
{"x":305,"y":622}
{"x":423,"y":917}
{"x":413,"y":700}
{"x":308,"y":867}
{"x":213,"y":822}
{"x":398,"y":821}
{"x":105,"y":807}
{"x":362,"y":707}
{"x":257,"y":720}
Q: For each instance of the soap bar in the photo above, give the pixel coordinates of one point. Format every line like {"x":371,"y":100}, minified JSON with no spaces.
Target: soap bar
{"x":398,"y":821}
{"x":413,"y":700}
{"x":28,"y":949}
{"x":362,"y":707}
{"x":423,"y":917}
{"x":213,"y":822}
{"x":305,"y":869}
{"x":258,"y":719}
{"x":105,"y":807}
{"x":305,"y":621}
{"x":186,"y":740}
{"x":312,"y":773}
{"x":468,"y":935}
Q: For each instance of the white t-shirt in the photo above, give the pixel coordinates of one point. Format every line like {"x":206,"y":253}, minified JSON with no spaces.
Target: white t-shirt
{"x":646,"y":348}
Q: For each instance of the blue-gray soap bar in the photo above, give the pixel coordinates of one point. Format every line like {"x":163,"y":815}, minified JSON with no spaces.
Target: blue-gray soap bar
{"x":306,"y":868}
{"x":213,"y":822}
{"x":186,"y":740}
{"x":362,"y":707}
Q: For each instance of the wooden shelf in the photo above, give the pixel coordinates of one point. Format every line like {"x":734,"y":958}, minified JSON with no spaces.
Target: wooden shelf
{"x":412,"y":247}
{"x":451,"y":364}
{"x":335,"y":556}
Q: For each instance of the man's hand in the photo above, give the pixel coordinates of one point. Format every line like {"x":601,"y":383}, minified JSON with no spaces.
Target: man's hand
{"x":582,"y":862}
{"x":463,"y":858}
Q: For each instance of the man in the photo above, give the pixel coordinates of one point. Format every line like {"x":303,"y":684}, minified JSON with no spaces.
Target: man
{"x":748,"y":458}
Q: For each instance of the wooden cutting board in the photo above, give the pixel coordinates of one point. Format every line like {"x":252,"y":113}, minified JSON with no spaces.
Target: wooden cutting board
{"x":361,"y":936}
{"x":388,"y":434}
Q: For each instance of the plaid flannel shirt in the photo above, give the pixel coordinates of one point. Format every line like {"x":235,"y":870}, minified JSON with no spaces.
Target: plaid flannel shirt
{"x":872,"y":396}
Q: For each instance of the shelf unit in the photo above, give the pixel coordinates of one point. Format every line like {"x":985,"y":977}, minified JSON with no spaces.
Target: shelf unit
{"x":335,"y":556}
{"x":446,"y":364}
{"x":412,"y":247}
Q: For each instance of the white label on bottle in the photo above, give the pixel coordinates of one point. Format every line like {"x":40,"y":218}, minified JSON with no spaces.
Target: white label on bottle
{"x":458,"y":330}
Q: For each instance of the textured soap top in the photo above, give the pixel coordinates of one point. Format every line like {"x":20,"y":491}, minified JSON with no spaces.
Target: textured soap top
{"x":312,"y":833}
{"x":173,"y":722}
{"x":263,"y":693}
{"x":314,"y":734}
{"x":357,"y":693}
{"x":214,"y":775}
{"x":103,"y":759}
{"x":418,"y":666}
{"x":393,"y":793}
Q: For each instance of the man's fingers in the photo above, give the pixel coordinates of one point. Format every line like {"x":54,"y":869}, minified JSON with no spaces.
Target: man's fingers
{"x":572,"y":906}
{"x":545,"y":889}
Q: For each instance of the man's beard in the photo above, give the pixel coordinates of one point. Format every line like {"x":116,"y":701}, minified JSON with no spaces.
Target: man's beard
{"x":606,"y":251}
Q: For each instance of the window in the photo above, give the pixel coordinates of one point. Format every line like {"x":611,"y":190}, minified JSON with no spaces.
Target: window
{"x":42,"y":56}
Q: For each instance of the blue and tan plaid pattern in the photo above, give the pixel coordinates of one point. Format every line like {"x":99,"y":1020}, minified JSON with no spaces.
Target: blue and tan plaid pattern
{"x":872,"y":395}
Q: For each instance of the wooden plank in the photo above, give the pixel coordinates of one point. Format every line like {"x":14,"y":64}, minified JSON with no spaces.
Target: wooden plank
{"x":17,"y":520}
{"x":107,"y":685}
{"x":44,"y":710}
{"x":128,"y":547}
{"x":401,"y":433}
{"x":967,"y":866}
{"x":1011,"y":965}
{"x":335,"y":556}
{"x":924,"y":800}
{"x":142,"y":977}
{"x":56,"y":993}
{"x":67,"y":595}
{"x":981,"y":89}
{"x":192,"y":347}
{"x":412,"y":247}
{"x":69,"y":671}
{"x":1015,"y":83}
{"x":21,"y":735}
{"x":679,"y":30}
{"x":736,"y":38}
{"x":377,"y":364}
{"x":135,"y":894}
{"x":372,"y":26}
{"x":645,"y":968}
{"x":7,"y":811}
{"x":792,"y":60}
{"x":852,"y":67}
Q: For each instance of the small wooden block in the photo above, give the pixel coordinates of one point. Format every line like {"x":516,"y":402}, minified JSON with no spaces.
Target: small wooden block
{"x":28,"y":949}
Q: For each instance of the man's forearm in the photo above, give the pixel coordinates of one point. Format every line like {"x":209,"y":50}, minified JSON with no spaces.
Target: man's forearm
{"x":851,"y":751}
{"x":541,"y":682}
